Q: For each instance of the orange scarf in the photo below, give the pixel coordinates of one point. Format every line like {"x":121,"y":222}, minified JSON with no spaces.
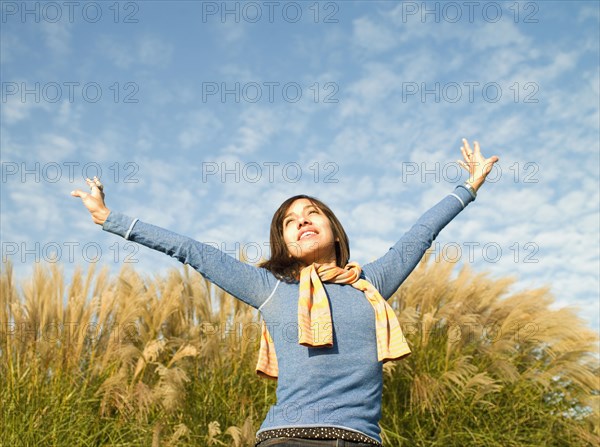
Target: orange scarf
{"x":314,"y":313}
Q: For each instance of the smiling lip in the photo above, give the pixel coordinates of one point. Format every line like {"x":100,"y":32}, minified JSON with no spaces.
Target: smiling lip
{"x":307,"y":230}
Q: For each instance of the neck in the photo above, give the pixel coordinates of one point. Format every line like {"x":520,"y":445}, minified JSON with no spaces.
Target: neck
{"x":328,"y":263}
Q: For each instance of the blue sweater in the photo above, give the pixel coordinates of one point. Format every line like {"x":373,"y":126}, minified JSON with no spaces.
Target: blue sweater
{"x":339,"y":386}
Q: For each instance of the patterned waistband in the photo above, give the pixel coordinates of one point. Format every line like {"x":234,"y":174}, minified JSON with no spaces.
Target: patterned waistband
{"x":316,"y":433}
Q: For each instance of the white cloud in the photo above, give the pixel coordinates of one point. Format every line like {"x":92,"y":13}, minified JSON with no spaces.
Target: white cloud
{"x":10,"y":47}
{"x":374,"y":217}
{"x":54,"y":148}
{"x":153,"y":51}
{"x":588,"y":12}
{"x":146,"y":50}
{"x":57,"y":36}
{"x":377,"y":83}
{"x":200,"y":127}
{"x":230,"y":33}
{"x":374,"y":37}
{"x":504,"y":33}
{"x":68,"y":114}
{"x":14,"y":109}
{"x":258,"y":125}
{"x":41,"y":199}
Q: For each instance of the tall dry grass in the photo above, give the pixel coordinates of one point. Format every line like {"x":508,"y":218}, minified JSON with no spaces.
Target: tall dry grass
{"x":490,"y":368}
{"x":165,"y":361}
{"x":125,"y":361}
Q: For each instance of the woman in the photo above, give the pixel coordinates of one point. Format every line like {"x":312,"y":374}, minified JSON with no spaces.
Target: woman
{"x":327,"y":326}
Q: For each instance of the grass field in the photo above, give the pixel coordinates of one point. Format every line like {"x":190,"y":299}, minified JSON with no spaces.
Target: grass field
{"x":169,"y":361}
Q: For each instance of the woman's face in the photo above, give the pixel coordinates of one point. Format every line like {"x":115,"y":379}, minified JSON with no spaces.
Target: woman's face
{"x":307,"y":233}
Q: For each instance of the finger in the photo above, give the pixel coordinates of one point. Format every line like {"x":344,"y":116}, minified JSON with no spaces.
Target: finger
{"x":79,"y":193}
{"x":94,"y":189}
{"x":463,"y":164}
{"x":466,"y":146}
{"x":464,"y":153}
{"x":477,"y":148}
{"x":98,"y":183}
{"x":490,"y":161}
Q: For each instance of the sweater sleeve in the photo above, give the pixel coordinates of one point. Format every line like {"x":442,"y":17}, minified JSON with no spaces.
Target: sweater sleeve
{"x":389,"y":272}
{"x":248,"y":283}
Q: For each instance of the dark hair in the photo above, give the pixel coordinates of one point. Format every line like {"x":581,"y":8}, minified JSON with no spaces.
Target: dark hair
{"x":288,"y":268}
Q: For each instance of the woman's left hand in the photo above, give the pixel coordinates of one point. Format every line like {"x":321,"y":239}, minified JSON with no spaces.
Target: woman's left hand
{"x":476,"y":164}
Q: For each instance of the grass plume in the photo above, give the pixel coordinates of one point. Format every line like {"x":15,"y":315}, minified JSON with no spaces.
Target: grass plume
{"x":164,"y":361}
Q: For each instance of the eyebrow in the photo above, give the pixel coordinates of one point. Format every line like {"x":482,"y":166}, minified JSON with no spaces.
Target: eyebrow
{"x":306,"y":206}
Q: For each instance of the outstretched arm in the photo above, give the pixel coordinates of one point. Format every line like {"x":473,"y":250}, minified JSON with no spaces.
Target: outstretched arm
{"x":389,"y":271}
{"x":250,"y":284}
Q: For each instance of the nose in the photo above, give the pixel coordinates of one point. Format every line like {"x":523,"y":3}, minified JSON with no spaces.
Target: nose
{"x":303,"y":221}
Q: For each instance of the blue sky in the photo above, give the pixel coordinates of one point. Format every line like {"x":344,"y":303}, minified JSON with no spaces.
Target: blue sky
{"x":204,"y":116}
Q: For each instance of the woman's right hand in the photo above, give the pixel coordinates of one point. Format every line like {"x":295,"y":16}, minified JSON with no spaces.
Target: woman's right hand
{"x":94,"y":200}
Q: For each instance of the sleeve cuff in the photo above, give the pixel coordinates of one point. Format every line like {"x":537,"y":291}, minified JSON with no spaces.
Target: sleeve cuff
{"x":119,"y":224}
{"x":463,"y":195}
